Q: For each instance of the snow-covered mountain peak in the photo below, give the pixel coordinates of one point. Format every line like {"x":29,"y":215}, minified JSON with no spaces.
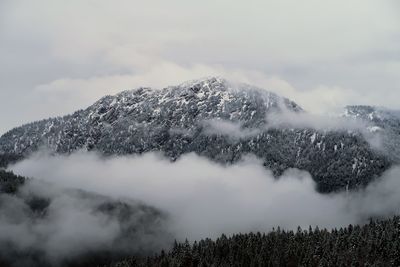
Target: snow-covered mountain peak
{"x":206,"y":82}
{"x":221,"y":85}
{"x":175,"y":121}
{"x":208,"y":98}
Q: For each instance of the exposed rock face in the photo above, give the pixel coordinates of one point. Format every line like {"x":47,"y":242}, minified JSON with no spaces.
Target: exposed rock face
{"x":212,"y":118}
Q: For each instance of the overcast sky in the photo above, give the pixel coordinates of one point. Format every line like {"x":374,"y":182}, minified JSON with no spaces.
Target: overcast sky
{"x":60,"y":56}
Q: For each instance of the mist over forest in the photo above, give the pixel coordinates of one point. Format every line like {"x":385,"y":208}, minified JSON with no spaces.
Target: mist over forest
{"x":209,"y":133}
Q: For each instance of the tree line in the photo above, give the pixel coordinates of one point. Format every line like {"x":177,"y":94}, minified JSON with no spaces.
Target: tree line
{"x":373,"y":244}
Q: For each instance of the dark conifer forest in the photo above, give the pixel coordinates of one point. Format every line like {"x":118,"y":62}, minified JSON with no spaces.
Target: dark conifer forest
{"x":373,"y":244}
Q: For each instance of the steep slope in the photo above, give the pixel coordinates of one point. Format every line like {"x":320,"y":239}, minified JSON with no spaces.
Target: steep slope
{"x":134,"y":115}
{"x":210,"y":117}
{"x":384,"y":121}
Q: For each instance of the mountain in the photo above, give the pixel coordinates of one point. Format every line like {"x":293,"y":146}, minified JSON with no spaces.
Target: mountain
{"x":379,"y":115}
{"x":211,"y":117}
{"x":45,"y":225}
{"x":384,"y":121}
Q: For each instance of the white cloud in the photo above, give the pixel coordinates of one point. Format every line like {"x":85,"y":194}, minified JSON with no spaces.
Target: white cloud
{"x":72,"y":223}
{"x":205,"y":199}
{"x":79,"y":93}
{"x":66,"y":55}
{"x":228,"y":128}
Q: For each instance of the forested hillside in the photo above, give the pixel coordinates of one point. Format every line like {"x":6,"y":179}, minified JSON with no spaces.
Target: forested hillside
{"x":41,"y":225}
{"x":374,"y":244}
{"x":212,"y":118}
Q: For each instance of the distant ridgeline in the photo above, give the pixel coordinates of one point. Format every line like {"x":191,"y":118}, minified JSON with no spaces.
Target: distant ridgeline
{"x":175,"y":121}
{"x":29,"y":220}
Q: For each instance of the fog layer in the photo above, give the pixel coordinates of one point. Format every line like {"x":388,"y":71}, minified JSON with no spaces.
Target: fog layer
{"x":204,"y":199}
{"x":44,"y":225}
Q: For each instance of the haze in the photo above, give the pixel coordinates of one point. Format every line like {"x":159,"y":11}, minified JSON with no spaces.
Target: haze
{"x":60,"y":56}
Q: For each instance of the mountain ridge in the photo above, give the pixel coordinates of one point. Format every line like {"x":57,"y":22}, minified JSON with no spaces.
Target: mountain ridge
{"x":171,"y":120}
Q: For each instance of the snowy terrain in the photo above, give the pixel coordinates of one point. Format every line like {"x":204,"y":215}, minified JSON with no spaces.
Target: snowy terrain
{"x":219,"y":120}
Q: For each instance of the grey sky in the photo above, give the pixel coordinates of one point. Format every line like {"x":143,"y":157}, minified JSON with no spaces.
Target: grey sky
{"x":59,"y":56}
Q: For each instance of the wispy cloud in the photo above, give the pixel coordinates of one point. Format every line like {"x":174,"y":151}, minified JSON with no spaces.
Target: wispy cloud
{"x":205,"y":199}
{"x":52,"y":65}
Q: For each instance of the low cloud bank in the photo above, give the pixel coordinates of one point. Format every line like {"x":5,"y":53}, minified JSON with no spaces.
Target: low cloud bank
{"x":298,"y":120}
{"x":228,"y":128}
{"x":47,"y":225}
{"x":301,"y":120}
{"x":317,"y":122}
{"x":204,"y":199}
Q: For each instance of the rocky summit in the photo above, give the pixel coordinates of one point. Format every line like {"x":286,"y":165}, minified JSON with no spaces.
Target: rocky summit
{"x":214,"y":118}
